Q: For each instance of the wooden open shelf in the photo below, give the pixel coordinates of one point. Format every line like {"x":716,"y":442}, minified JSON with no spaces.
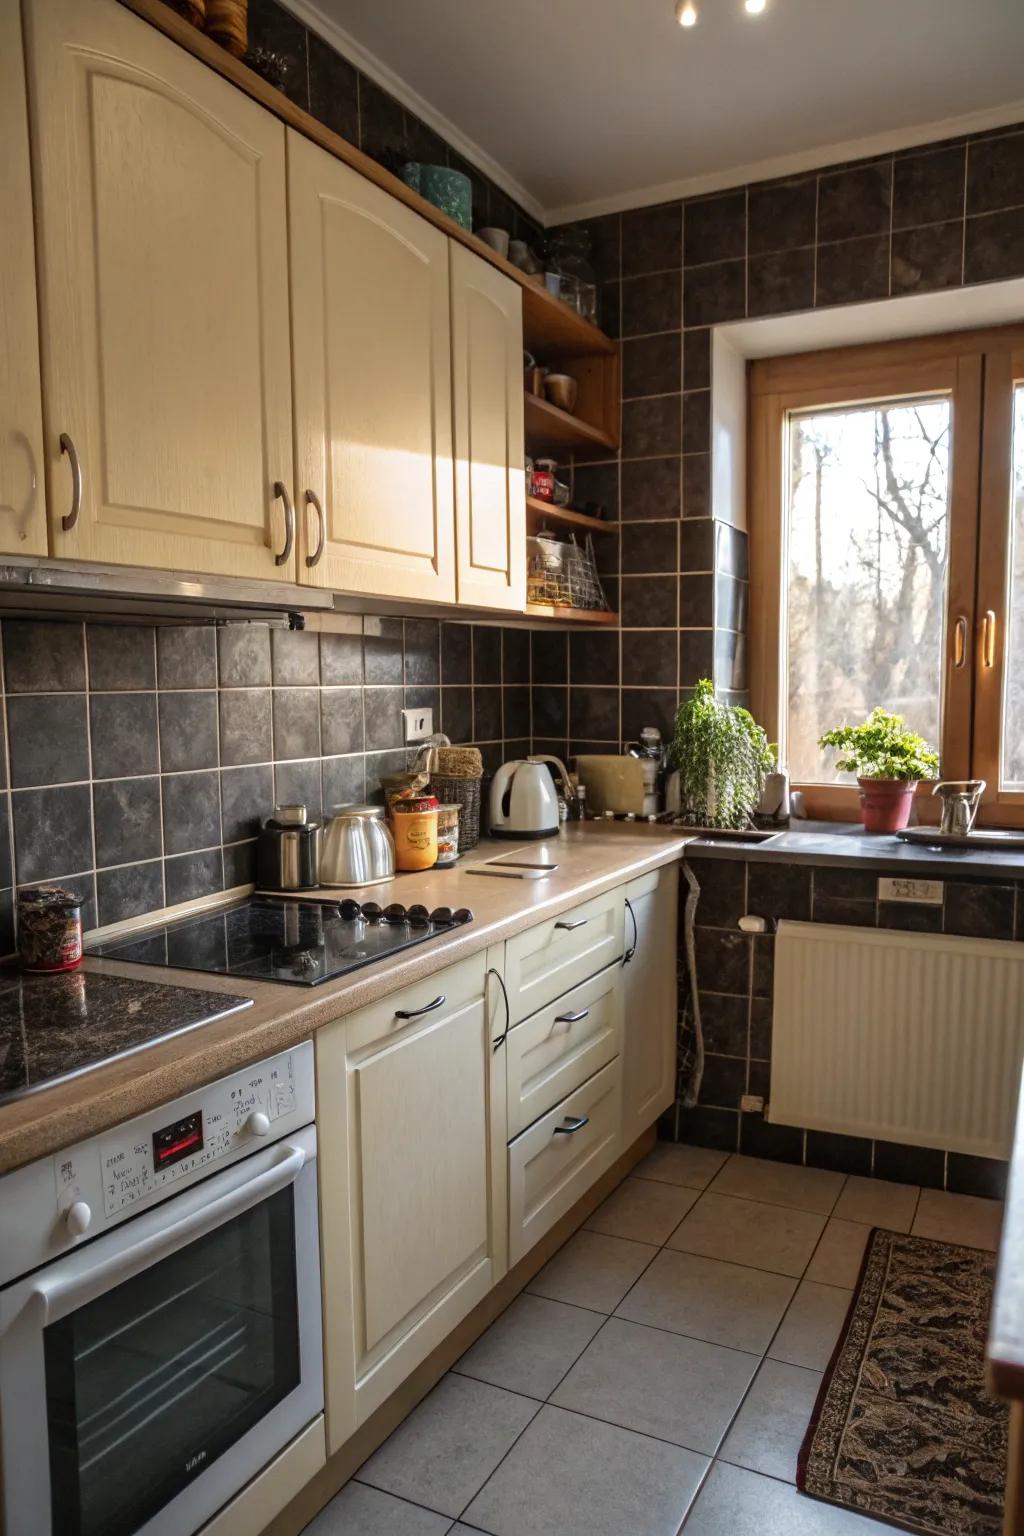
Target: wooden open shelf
{"x":570,"y":615}
{"x":554,"y":332}
{"x":538,"y":512}
{"x":549,"y":427}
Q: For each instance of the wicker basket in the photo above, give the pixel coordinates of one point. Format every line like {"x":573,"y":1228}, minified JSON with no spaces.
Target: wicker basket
{"x":192,"y":10}
{"x":465,"y":793}
{"x":227,"y":24}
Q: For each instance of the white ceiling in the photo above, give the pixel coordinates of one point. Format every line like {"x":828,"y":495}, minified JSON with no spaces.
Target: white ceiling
{"x":583,"y":106}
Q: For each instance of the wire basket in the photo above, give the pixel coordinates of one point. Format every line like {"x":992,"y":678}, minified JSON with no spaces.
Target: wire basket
{"x":465,"y":793}
{"x":563,"y":573}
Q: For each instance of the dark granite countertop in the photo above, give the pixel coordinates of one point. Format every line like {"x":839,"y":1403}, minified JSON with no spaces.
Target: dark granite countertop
{"x":847,"y":844}
{"x":55,"y":1026}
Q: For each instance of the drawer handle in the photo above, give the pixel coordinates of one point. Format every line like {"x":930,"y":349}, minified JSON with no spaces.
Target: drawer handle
{"x":415,"y":1013}
{"x":71,"y":518}
{"x":499,"y":1040}
{"x":581,"y":922}
{"x":572,"y":1018}
{"x":631,"y":951}
{"x":571,"y":1125}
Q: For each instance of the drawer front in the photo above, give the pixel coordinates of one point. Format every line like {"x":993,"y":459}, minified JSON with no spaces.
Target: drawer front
{"x":556,"y":1050}
{"x":556,"y":955}
{"x":549,"y":1169}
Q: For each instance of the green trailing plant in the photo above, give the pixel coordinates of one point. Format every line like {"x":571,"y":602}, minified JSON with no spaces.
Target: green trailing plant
{"x":722,"y":756}
{"x":882,"y":747}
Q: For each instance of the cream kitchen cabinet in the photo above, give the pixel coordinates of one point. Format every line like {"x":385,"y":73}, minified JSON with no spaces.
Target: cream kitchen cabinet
{"x":163,"y":261}
{"x":490,"y":489}
{"x":650,"y":1005}
{"x":22,"y":502}
{"x":412,"y":1168}
{"x":373,"y":385}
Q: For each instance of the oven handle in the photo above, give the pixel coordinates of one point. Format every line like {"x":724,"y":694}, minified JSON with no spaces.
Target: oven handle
{"x":73,"y":1282}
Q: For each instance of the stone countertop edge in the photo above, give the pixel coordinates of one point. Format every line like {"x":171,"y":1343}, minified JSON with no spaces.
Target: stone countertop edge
{"x":592,"y":859}
{"x":852,"y":848}
{"x":1004,"y":1349}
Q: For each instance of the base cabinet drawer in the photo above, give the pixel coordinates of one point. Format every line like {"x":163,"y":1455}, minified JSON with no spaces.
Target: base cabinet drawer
{"x":547,"y":960}
{"x":556,"y":1050}
{"x":554,"y":1163}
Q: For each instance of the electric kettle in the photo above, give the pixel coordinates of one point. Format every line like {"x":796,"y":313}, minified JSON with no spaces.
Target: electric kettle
{"x":524,"y":802}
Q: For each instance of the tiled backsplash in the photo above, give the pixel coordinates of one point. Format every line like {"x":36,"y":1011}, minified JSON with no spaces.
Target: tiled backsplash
{"x":141,"y":758}
{"x":735,"y":977}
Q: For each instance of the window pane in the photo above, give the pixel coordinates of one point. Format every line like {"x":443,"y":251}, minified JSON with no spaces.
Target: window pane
{"x":868,"y":516}
{"x":1012,"y":766}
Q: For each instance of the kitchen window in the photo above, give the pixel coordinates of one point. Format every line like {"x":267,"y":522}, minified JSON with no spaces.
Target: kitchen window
{"x":886,"y":510}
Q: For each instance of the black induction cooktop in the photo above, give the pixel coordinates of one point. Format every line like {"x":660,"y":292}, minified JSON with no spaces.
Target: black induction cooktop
{"x":301,"y":942}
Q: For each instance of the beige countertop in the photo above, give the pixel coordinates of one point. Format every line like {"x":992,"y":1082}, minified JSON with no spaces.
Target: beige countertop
{"x":592,"y":857}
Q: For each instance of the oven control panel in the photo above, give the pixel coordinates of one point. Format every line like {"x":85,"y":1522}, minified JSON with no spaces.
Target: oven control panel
{"x":52,"y":1205}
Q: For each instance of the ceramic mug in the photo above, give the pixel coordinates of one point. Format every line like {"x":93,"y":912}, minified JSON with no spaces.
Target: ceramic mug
{"x":451,"y":191}
{"x":497,"y":239}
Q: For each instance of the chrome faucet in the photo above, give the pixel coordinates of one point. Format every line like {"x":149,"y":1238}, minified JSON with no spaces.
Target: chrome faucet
{"x":960,"y":798}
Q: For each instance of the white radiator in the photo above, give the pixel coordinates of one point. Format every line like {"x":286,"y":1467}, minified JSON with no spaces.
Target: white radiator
{"x":906,"y":1037}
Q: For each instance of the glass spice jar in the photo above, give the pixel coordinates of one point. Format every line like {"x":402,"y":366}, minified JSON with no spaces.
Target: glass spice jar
{"x":49,"y":928}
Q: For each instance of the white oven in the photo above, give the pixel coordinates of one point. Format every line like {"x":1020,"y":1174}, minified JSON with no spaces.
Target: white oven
{"x":160,"y":1327}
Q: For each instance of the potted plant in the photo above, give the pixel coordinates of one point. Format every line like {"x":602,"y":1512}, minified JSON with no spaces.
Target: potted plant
{"x":889,"y":760}
{"x":722,"y":756}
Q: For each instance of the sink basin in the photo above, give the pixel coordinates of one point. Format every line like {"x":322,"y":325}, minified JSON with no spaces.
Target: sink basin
{"x":741,"y":836}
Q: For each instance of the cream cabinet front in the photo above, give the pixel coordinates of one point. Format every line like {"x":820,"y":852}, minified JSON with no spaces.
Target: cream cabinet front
{"x":650,"y":1006}
{"x":163,"y":263}
{"x":412,"y":1172}
{"x":373,"y":385}
{"x":490,"y":491}
{"x":22,"y":501}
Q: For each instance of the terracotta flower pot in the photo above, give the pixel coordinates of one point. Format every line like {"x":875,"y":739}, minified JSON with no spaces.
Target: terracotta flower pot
{"x":885,"y":803}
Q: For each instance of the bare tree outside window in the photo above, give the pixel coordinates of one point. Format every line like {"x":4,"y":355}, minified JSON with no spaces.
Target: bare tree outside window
{"x":1012,"y":765}
{"x":867,"y":532}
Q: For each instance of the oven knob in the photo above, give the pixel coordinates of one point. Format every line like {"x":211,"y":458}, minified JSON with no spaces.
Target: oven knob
{"x":78,"y":1218}
{"x":258,"y":1124}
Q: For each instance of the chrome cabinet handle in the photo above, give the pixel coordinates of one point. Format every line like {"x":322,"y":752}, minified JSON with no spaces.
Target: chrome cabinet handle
{"x":572,"y":1018}
{"x":313,"y":500}
{"x":67,"y":446}
{"x":415,"y":1013}
{"x":571,"y":1125}
{"x":960,"y":642}
{"x":988,"y":639}
{"x":581,"y":922}
{"x":281,"y":494}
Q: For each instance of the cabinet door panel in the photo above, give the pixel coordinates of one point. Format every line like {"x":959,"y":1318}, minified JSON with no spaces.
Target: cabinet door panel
{"x":163,"y":259}
{"x":372,"y":382}
{"x":22,"y":505}
{"x":651,"y":1006}
{"x":490,"y":493}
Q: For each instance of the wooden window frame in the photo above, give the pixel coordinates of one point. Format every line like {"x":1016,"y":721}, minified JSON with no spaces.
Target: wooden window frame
{"x":977,"y":369}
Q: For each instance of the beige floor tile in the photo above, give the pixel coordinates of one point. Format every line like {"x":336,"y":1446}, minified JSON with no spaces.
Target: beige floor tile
{"x":734,"y":1502}
{"x":770,"y":1427}
{"x":361,"y":1511}
{"x":811,"y":1327}
{"x":658,"y":1383}
{"x":642,"y":1209}
{"x":774,"y":1237}
{"x":721,"y":1303}
{"x":447,"y":1448}
{"x":592,"y":1270}
{"x":878,"y":1203}
{"x":573,"y":1476}
{"x":531,"y":1346}
{"x":673,"y":1163}
{"x":756,"y":1178}
{"x":838,"y":1257}
{"x":963,"y":1219}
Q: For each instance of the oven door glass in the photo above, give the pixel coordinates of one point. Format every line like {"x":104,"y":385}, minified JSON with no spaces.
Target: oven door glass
{"x":151,"y":1382}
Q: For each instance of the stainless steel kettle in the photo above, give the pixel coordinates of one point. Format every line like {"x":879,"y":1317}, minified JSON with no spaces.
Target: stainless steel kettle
{"x":288,"y":852}
{"x":960,"y":799}
{"x":358,"y":847}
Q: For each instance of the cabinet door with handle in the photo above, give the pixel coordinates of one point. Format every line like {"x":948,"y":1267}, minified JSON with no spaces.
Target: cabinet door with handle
{"x":22,"y":505}
{"x":372,"y":367}
{"x":651,"y":1006}
{"x":162,"y":235}
{"x":490,"y":493}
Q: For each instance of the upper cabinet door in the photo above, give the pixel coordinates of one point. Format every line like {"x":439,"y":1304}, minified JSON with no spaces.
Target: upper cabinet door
{"x":372,"y":369}
{"x":22,"y":505}
{"x":490,"y":492}
{"x":161,"y":207}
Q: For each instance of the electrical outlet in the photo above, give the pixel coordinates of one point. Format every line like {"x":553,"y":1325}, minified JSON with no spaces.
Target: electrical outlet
{"x":418,"y":723}
{"x":752,"y":1104}
{"x":901,"y":888}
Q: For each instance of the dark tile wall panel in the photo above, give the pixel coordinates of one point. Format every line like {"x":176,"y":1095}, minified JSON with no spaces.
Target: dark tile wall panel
{"x":139,"y":760}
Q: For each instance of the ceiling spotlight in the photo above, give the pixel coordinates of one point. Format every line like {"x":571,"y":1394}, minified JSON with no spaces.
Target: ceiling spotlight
{"x":686,"y":13}
{"x":754,"y":7}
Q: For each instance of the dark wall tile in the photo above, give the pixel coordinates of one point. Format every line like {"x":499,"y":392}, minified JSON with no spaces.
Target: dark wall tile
{"x":296,"y":714}
{"x":192,"y":875}
{"x":49,"y":739}
{"x":650,"y":548}
{"x":247,"y":798}
{"x":343,"y":780}
{"x":715,"y":1128}
{"x":382,"y":713}
{"x":926,"y":259}
{"x":243,"y":655}
{"x":652,"y":239}
{"x":188,"y":730}
{"x":294,"y":658}
{"x":730,"y":672}
{"x":853,"y":271}
{"x":732,"y":547}
{"x":245,"y":728}
{"x":697,"y":544}
{"x":842,"y":1154}
{"x":333,"y":90}
{"x":851,"y":884}
{"x":723,"y":961}
{"x":550,"y":656}
{"x":648,"y":602}
{"x":126,"y":813}
{"x":909,"y":918}
{"x":550,"y":707}
{"x":761,"y":1028}
{"x":910,"y":1165}
{"x":780,"y":282}
{"x":697,"y":359}
{"x":760,"y":1138}
{"x":383,"y":648}
{"x":422,"y":651}
{"x":456,"y":652}
{"x":782,"y":215}
{"x":982,"y":1176}
{"x":52,"y":832}
{"x":515,"y":712}
{"x":609,"y":309}
{"x":716,"y":293}
{"x":651,"y":303}
{"x":486,"y":654}
{"x":979,"y":911}
{"x":731,"y":603}
{"x":381,"y":125}
{"x":597,"y":484}
{"x":593,"y":658}
{"x":191,"y":811}
{"x":456,"y":714}
{"x":186,"y":656}
{"x":842,"y":909}
{"x":650,"y":427}
{"x":341,"y":659}
{"x":652,"y":365}
{"x":40,"y":657}
{"x":129,"y":892}
{"x":716,"y":228}
{"x":299,"y":784}
{"x":995,"y":173}
{"x":121,"y":656}
{"x":648,"y":706}
{"x":780,"y":890}
{"x":124,"y":734}
{"x":487,"y":713}
{"x":696,"y":656}
{"x":277,"y":49}
{"x":341,"y":721}
{"x":724,"y":1082}
{"x":853,"y":202}
{"x":649,"y":658}
{"x":929,"y":188}
{"x":594,"y":713}
{"x":994,"y":246}
{"x":239,"y":864}
{"x":697,"y":421}
{"x":723,"y":894}
{"x":515,"y":655}
{"x":696,"y":601}
{"x":650,"y":488}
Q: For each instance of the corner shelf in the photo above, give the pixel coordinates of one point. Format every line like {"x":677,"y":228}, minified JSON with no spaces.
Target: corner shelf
{"x":538,"y":512}
{"x":547,"y":426}
{"x":551,"y":328}
{"x":570,"y":615}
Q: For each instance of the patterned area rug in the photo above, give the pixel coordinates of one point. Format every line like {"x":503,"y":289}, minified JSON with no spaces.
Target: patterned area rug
{"x":903,"y":1429}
